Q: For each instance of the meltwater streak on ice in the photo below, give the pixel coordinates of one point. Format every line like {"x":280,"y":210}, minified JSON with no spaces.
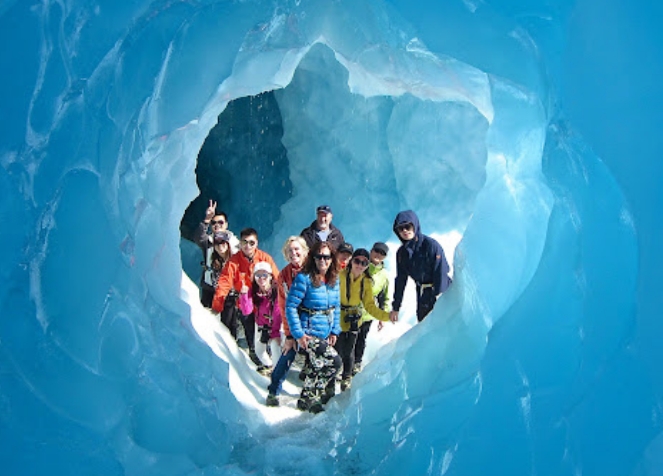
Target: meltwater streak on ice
{"x":118,"y":382}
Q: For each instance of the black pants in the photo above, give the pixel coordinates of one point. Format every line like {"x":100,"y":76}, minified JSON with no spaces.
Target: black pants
{"x":230,"y":317}
{"x":425,"y":302}
{"x":249,"y":323}
{"x":206,"y":295}
{"x":345,"y":346}
{"x":360,"y":346}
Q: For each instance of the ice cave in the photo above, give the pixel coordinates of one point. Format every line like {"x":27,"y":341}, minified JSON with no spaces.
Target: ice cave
{"x":520,"y":132}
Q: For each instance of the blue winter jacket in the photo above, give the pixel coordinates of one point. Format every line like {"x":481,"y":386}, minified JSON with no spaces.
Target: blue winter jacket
{"x":422,"y":258}
{"x":310,"y":297}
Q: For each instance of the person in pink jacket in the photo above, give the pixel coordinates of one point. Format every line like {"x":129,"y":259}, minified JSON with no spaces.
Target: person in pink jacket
{"x":261,"y":299}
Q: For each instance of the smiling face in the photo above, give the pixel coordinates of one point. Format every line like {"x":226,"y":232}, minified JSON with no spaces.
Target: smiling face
{"x":359,"y":264}
{"x":323,"y":259}
{"x":344,"y":258}
{"x":323,"y":220}
{"x":249,"y":245}
{"x":263,"y":279}
{"x":221,"y":248}
{"x":219,"y":223}
{"x":296,"y":254}
{"x":377,"y":258}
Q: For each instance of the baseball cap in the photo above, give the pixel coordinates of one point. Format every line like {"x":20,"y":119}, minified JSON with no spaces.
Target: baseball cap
{"x":379,"y":246}
{"x":324,"y":208}
{"x":345,"y":248}
{"x":361,"y":252}
{"x":221,"y":236}
{"x":262,"y":266}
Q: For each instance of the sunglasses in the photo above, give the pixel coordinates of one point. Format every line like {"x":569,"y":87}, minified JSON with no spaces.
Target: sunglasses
{"x":360,"y":262}
{"x":405,"y":227}
{"x":218,"y":222}
{"x":380,"y":252}
{"x":249,"y":242}
{"x":262,"y":275}
{"x":323,"y":257}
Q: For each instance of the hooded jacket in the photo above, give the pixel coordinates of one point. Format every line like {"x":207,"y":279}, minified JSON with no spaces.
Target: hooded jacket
{"x":422,"y":258}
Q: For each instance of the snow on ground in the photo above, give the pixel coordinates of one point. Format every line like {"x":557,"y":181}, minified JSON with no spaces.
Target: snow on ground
{"x":249,"y":387}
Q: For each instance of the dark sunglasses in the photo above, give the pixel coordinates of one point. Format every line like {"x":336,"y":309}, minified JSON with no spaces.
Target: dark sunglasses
{"x":218,"y":222}
{"x":405,"y":227}
{"x":360,"y":262}
{"x":380,"y":252}
{"x":249,"y":242}
{"x":262,"y":275}
{"x":321,"y":257}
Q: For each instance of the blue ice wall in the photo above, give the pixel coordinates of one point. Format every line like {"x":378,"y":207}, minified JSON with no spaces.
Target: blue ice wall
{"x":542,"y":359}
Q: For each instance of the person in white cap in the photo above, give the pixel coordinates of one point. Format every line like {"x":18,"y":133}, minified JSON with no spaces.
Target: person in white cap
{"x":261,"y":300}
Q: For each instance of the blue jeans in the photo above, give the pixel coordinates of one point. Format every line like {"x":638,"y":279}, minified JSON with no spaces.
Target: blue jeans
{"x":280,"y":371}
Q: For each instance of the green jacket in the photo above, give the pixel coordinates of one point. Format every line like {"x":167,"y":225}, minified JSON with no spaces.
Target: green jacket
{"x":380,"y":290}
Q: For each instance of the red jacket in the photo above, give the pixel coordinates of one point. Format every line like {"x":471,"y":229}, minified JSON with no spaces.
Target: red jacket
{"x":286,"y":278}
{"x":236,"y":272}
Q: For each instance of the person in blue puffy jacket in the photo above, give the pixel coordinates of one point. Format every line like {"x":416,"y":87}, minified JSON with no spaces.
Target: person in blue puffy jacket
{"x":421,"y":258}
{"x":313,"y":313}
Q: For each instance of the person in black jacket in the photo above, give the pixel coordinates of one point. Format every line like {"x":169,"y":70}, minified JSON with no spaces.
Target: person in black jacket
{"x":421,"y":258}
{"x":322,"y":229}
{"x":204,"y":238}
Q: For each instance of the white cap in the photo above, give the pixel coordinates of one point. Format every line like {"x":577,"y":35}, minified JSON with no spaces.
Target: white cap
{"x":262,"y":266}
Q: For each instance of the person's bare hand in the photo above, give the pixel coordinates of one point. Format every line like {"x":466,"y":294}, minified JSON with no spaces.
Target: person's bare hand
{"x":303,"y":341}
{"x":380,"y":326}
{"x":289,"y":344}
{"x":244,"y":290}
{"x":211,"y":211}
{"x":393,"y":316}
{"x":331,"y":339}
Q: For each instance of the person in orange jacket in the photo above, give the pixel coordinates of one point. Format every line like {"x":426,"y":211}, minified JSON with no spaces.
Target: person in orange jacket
{"x":237,"y":273}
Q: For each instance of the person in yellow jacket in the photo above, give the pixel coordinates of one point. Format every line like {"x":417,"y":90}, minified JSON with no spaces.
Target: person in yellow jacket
{"x":356,"y":295}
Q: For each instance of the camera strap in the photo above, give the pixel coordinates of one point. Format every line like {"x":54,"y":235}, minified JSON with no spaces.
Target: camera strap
{"x":347,"y":288}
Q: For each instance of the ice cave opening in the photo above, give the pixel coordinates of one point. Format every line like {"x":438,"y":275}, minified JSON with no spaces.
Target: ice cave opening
{"x":318,"y":140}
{"x":544,"y":356}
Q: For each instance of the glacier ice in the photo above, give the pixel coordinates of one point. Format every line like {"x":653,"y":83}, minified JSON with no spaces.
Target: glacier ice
{"x":526,"y":127}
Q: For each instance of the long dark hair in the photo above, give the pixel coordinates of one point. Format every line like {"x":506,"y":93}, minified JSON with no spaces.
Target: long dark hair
{"x":218,"y":260}
{"x":311,"y":268}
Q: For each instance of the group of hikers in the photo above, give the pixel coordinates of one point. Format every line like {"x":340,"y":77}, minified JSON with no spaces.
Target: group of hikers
{"x":323,"y":301}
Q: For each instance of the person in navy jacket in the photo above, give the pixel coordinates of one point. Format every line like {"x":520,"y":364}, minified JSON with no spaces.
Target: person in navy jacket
{"x":421,"y":258}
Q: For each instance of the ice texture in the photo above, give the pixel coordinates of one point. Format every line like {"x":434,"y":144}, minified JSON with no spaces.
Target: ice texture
{"x":527,"y":128}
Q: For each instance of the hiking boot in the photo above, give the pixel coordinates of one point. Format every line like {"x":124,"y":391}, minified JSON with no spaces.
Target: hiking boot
{"x":316,"y":408}
{"x":302,"y":405}
{"x":272,"y":400}
{"x":264,"y":370}
{"x":346,"y":383}
{"x":356,"y":369}
{"x":326,"y":397}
